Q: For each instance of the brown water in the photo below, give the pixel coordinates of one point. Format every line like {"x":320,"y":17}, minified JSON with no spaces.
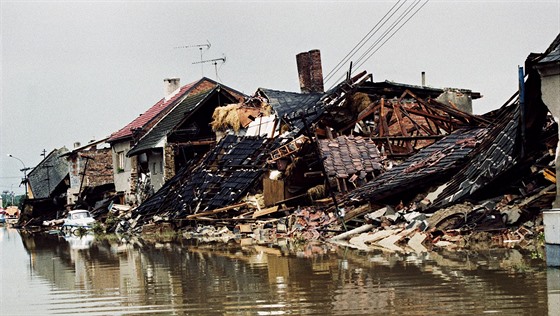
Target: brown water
{"x":46,"y":274}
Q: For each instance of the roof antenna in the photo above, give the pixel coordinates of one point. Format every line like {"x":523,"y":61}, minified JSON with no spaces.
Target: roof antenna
{"x":215,"y":62}
{"x":200,"y":47}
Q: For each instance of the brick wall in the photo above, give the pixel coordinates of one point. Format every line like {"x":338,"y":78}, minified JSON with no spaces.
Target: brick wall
{"x":99,"y":169}
{"x":169,"y":161}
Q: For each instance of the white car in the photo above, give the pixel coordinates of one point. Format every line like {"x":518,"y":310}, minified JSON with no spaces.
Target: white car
{"x":77,"y":219}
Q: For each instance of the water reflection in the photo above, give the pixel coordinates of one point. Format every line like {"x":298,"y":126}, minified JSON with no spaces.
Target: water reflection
{"x":99,"y":277}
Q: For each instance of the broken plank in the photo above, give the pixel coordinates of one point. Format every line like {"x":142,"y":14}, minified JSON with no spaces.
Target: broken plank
{"x":218,"y":210}
{"x":265,"y":211}
{"x":415,"y":242}
{"x":390,"y":241}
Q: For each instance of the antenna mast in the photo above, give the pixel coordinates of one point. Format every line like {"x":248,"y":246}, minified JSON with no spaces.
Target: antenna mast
{"x":200,"y":47}
{"x":213,"y":61}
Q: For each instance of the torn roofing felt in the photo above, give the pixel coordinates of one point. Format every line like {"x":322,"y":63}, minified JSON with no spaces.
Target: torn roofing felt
{"x":432,"y":164}
{"x":290,"y":105}
{"x":498,"y":153}
{"x":223,"y":177}
{"x":181,"y":111}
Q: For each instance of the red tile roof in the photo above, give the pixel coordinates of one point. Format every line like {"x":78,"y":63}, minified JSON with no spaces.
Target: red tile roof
{"x":349,"y":155}
{"x":152,"y":112}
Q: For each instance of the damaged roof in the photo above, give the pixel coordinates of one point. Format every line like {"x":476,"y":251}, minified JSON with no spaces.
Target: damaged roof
{"x":48,"y":174}
{"x":290,"y":104}
{"x":222,"y":178}
{"x":422,"y":169}
{"x":173,"y":118}
{"x":163,"y":105}
{"x":152,"y":112}
{"x":392,"y":89}
{"x":552,"y":54}
{"x":498,"y":153}
{"x":349,"y":155}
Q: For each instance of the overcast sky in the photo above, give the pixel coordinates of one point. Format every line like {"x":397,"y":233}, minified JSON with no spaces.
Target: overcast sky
{"x":78,"y":71}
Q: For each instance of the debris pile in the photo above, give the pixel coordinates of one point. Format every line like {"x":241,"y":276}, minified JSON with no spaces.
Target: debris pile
{"x":398,"y":173}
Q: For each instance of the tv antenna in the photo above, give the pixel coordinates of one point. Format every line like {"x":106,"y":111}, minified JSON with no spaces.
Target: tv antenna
{"x":213,"y":61}
{"x":200,"y":47}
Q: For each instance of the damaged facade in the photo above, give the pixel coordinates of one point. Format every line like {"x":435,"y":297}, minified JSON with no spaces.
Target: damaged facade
{"x":90,"y":173}
{"x":140,"y":173}
{"x":47,"y":183}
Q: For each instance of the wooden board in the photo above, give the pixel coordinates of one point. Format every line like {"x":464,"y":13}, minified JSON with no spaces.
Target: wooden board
{"x":265,"y":211}
{"x":273,"y":191}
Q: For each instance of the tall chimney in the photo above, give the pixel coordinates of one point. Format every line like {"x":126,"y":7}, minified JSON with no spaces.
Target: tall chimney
{"x":169,"y":86}
{"x":310,"y":71}
{"x":423,"y":78}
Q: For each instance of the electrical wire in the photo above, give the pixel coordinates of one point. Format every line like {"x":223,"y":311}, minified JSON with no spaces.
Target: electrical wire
{"x":364,"y":39}
{"x":387,"y":31}
{"x":362,"y":59}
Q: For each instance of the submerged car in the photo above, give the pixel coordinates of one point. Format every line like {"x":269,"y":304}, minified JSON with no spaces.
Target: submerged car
{"x":77,"y":219}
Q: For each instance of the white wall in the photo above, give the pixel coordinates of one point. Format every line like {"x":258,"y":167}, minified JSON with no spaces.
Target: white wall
{"x":550,"y":88}
{"x":122,"y":178}
{"x":156,"y":166}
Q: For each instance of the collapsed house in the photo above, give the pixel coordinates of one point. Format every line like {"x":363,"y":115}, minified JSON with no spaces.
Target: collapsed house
{"x":91,"y":184}
{"x":226,"y":174}
{"x":325,"y":144}
{"x":47,"y":184}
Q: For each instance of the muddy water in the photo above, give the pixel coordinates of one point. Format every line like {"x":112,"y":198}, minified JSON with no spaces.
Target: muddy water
{"x":46,"y":275}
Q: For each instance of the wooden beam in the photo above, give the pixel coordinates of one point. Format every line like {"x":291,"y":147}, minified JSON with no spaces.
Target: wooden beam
{"x":216,"y":211}
{"x":265,"y":211}
{"x":196,"y":143}
{"x":404,"y":132}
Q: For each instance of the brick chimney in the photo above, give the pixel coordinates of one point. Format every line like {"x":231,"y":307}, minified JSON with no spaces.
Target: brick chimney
{"x":170,"y":85}
{"x":310,"y":71}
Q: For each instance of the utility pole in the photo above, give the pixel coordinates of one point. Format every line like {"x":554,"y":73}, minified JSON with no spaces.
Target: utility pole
{"x":24,"y":170}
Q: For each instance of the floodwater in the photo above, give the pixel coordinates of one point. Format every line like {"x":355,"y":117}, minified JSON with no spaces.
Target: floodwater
{"x":45,"y":274}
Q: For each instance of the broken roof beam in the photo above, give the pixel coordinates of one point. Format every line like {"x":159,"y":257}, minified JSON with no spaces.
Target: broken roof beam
{"x":383,"y":127}
{"x":416,"y":126}
{"x":215,"y":211}
{"x":434,"y":117}
{"x":411,"y":137}
{"x":371,"y":109}
{"x":404,"y":132}
{"x":458,"y":114}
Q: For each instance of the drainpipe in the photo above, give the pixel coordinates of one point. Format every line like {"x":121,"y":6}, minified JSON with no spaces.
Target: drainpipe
{"x":522,"y":108}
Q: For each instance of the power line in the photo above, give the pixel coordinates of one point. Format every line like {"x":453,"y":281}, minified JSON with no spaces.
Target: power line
{"x":386,"y":34}
{"x":403,"y":24}
{"x":387,"y":31}
{"x":362,"y":42}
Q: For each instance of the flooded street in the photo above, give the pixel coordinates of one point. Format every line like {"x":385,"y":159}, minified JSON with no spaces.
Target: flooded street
{"x":47,"y":274}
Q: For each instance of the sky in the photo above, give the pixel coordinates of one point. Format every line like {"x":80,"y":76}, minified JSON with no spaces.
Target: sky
{"x":76,"y":71}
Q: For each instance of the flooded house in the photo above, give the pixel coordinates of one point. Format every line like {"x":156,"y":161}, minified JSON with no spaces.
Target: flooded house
{"x":47,"y":184}
{"x":91,"y":174}
{"x":139,"y":174}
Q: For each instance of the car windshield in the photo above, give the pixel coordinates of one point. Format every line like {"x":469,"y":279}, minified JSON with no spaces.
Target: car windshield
{"x":79,"y":215}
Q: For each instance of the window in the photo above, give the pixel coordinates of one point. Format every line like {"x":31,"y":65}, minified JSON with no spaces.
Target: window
{"x":120,"y":161}
{"x":154,"y":171}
